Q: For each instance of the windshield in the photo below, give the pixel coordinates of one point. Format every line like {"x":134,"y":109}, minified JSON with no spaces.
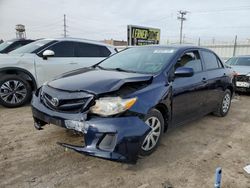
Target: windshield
{"x":5,"y":45}
{"x":31,"y":47}
{"x":147,"y":60}
{"x":239,"y":61}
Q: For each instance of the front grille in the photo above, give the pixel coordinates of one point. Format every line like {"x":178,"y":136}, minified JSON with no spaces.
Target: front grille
{"x":63,"y":101}
{"x":242,"y":78}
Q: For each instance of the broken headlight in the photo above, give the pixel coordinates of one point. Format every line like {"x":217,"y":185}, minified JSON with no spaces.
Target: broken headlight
{"x":108,"y":106}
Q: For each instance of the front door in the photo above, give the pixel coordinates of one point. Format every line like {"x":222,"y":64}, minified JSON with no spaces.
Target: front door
{"x":189,"y":93}
{"x":63,"y":61}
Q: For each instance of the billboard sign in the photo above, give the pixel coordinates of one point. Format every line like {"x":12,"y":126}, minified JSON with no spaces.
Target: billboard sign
{"x":138,"y":35}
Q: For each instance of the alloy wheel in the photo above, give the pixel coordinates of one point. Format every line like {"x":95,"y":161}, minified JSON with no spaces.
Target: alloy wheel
{"x":226,"y":103}
{"x":152,"y":138}
{"x":13,"y":91}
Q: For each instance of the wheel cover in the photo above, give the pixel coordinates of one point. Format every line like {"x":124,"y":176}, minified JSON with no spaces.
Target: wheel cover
{"x":153,"y":136}
{"x":13,"y":91}
{"x":226,"y":103}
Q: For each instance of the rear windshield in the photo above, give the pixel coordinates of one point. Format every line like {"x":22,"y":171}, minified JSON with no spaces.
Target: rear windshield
{"x":239,"y":61}
{"x":5,"y":45}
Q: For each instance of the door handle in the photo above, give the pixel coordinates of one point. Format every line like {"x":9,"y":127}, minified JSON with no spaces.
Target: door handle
{"x":204,"y":80}
{"x":73,"y":63}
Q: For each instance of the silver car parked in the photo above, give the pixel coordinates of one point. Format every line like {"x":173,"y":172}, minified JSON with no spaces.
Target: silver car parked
{"x":241,"y":66}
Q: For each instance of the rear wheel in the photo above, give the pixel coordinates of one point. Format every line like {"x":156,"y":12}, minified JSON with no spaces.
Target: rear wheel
{"x":155,"y":120}
{"x":224,"y":105}
{"x":14,"y":91}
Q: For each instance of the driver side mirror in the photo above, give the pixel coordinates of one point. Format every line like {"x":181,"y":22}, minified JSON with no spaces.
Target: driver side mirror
{"x":184,"y":72}
{"x":48,"y":53}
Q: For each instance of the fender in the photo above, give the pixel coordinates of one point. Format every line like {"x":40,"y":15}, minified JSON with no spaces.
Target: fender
{"x":6,"y":69}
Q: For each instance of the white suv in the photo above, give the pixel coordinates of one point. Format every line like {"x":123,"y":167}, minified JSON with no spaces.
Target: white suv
{"x":27,"y":68}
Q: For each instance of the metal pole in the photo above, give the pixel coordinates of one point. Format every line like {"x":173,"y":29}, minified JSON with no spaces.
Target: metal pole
{"x":235,"y":45}
{"x":199,"y":41}
{"x":218,"y":174}
{"x":130,"y":35}
{"x":182,"y":18}
{"x":64,"y":26}
{"x":181,"y":31}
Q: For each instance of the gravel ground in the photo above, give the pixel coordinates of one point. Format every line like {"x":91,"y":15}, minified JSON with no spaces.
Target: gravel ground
{"x":186,"y":157}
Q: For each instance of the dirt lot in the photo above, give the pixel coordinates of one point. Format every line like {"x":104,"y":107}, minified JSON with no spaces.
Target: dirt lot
{"x":187,"y":156}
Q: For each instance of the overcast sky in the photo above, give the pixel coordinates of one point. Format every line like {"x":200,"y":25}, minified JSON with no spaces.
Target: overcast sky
{"x":105,"y":19}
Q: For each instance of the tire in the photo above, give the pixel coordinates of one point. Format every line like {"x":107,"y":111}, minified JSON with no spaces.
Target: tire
{"x":224,"y":105}
{"x":156,"y":116}
{"x":14,"y":91}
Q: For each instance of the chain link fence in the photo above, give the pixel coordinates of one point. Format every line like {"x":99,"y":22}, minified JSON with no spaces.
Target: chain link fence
{"x":229,"y":50}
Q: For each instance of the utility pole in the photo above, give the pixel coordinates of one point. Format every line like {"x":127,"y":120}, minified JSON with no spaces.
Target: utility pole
{"x":235,"y":45}
{"x":64,"y":26}
{"x":181,"y":18}
{"x":213,"y":40}
{"x":199,"y":41}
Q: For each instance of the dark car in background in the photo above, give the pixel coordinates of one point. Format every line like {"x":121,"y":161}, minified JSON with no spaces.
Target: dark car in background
{"x":124,"y":104}
{"x":13,"y":44}
{"x":241,"y":66}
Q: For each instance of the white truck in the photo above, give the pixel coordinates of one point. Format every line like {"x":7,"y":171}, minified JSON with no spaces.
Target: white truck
{"x":25,"y":69}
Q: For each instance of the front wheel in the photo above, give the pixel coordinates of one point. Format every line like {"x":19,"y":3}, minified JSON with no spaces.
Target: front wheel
{"x":224,"y":105}
{"x":155,"y":120}
{"x":14,"y":91}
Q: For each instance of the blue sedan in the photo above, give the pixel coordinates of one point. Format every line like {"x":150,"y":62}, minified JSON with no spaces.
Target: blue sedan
{"x":124,"y":104}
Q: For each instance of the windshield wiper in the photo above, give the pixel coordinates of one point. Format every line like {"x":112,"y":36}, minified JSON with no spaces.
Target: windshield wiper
{"x":116,"y":69}
{"x":124,"y":70}
{"x":98,"y":66}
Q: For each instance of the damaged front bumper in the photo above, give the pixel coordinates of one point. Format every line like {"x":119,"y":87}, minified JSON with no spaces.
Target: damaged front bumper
{"x":114,"y":138}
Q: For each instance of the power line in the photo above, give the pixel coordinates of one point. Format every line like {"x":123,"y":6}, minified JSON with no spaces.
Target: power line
{"x":55,"y":23}
{"x":226,"y":9}
{"x":182,"y":19}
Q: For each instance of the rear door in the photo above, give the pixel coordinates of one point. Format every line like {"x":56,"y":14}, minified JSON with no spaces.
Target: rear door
{"x":90,"y":54}
{"x":189,"y":93}
{"x":216,"y":78}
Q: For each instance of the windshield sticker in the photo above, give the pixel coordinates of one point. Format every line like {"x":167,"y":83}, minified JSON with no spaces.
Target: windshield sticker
{"x":164,"y":51}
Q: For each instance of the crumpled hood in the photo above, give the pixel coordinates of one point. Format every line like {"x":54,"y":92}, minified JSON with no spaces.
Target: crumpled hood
{"x":96,"y":81}
{"x":241,"y":70}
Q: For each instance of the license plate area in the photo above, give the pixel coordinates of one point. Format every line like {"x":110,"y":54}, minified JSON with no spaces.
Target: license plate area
{"x":243,"y":84}
{"x":51,"y":120}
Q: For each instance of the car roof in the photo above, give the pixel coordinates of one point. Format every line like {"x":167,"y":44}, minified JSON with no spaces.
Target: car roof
{"x":15,"y":40}
{"x":80,"y":40}
{"x":176,"y":46}
{"x":239,"y":56}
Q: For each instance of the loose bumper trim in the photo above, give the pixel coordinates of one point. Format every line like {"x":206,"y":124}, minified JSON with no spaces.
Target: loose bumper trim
{"x":117,"y":138}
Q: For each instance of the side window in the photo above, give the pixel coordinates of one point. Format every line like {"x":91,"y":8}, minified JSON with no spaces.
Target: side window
{"x":210,"y":60}
{"x":91,"y":50}
{"x":104,"y":51}
{"x":14,"y":46}
{"x":190,"y":60}
{"x":25,"y":42}
{"x":219,"y":63}
{"x":63,"y":49}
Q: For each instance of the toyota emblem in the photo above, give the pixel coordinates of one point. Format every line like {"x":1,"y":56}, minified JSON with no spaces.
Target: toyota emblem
{"x":55,"y":102}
